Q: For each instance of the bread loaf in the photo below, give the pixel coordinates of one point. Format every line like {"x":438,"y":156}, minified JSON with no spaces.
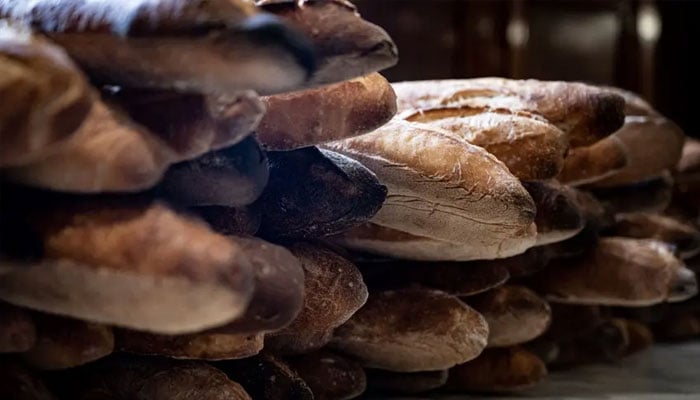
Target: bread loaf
{"x":333,"y":112}
{"x":329,"y":375}
{"x":334,"y":291}
{"x":443,"y":188}
{"x":131,"y":264}
{"x":589,"y":164}
{"x":204,"y":346}
{"x":314,"y":193}
{"x":267,"y":377}
{"x":685,"y":237}
{"x":607,"y":342}
{"x":585,"y":113}
{"x":528,"y":145}
{"x":558,"y":217}
{"x":229,"y":46}
{"x":412,"y":330}
{"x":43,"y":97}
{"x":347,"y":46}
{"x":17,"y":329}
{"x":404,"y":382}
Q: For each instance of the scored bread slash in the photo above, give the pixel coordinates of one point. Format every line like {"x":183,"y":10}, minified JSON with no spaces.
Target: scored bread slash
{"x":153,"y":378}
{"x":411,"y":330}
{"x":17,"y":329}
{"x":619,"y":271}
{"x":129,"y":263}
{"x":333,"y":292}
{"x":108,"y":153}
{"x":202,"y":346}
{"x":45,"y":97}
{"x":558,"y":216}
{"x":314,"y":193}
{"x":684,"y":236}
{"x":514,"y":314}
{"x":235,"y":176}
{"x":531,"y":147}
{"x":652,"y":195}
{"x":404,"y":382}
{"x":209,"y":46}
{"x":444,"y":188}
{"x":497,"y":370}
{"x":18,"y":382}
{"x":267,"y":377}
{"x":191,"y":124}
{"x":347,"y":46}
{"x":63,"y":343}
{"x":329,"y":375}
{"x":331,"y":112}
{"x":654,"y":144}
{"x":585,"y":113}
{"x":589,"y":164}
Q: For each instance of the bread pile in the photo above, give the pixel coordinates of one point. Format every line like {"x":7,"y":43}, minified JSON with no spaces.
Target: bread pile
{"x":223,"y":199}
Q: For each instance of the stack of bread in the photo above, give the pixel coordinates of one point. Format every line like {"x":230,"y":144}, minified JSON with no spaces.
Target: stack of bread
{"x":222,"y":199}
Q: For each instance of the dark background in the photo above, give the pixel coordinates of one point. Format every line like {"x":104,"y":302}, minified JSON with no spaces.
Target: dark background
{"x":586,"y":40}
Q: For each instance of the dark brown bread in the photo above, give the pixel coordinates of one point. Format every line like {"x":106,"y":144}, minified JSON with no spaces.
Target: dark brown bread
{"x":685,"y":237}
{"x":639,"y":336}
{"x":130,"y":263}
{"x":333,"y":112}
{"x":589,"y":164}
{"x":230,"y":221}
{"x":334,"y":291}
{"x":314,"y":193}
{"x":18,"y":383}
{"x":231,"y":177}
{"x":17,"y":329}
{"x":585,"y":113}
{"x":66,"y":343}
{"x":497,"y":370}
{"x":677,"y":328}
{"x":570,"y":321}
{"x":404,"y":382}
{"x":267,"y":377}
{"x":329,"y":375}
{"x":140,"y":44}
{"x":608,"y":342}
{"x":43,"y":97}
{"x":653,"y":195}
{"x":558,"y":216}
{"x":528,"y":263}
{"x":412,"y":330}
{"x":202,"y":346}
{"x":347,"y":46}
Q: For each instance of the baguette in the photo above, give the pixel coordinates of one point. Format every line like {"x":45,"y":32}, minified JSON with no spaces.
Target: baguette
{"x":585,"y":113}
{"x":130,"y":264}
{"x":412,"y":330}
{"x":330,"y":113}
{"x":347,"y":46}
{"x":589,"y":164}
{"x":43,"y":97}
{"x":404,"y":382}
{"x":17,"y":329}
{"x":443,"y":188}
{"x":558,"y":216}
{"x":229,"y":46}
{"x":685,"y":237}
{"x":202,"y":346}
{"x":528,"y":145}
{"x":329,"y":375}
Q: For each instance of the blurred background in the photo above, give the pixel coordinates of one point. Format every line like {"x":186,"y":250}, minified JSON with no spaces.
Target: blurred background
{"x":646,"y":46}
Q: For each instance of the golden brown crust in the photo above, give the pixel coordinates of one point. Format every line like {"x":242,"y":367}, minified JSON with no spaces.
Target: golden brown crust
{"x":412,"y":330}
{"x":329,"y":375}
{"x":589,"y":164}
{"x":43,"y":97}
{"x":528,"y":145}
{"x":404,"y":382}
{"x":334,"y":291}
{"x":497,"y":370}
{"x":66,"y":343}
{"x":333,"y":112}
{"x":134,"y":265}
{"x":558,"y":216}
{"x":514,"y":314}
{"x":443,"y":188}
{"x":17,"y":329}
{"x":108,"y":153}
{"x":585,"y":113}
{"x":204,"y":346}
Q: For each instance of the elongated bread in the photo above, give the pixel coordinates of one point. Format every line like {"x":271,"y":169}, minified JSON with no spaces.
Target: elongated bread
{"x":404,"y":382}
{"x":17,"y":329}
{"x":330,"y":375}
{"x":377,"y":239}
{"x":443,"y":188}
{"x":347,"y":46}
{"x":333,"y":112}
{"x":43,"y":97}
{"x":514,"y":314}
{"x":108,"y":153}
{"x":314,"y":193}
{"x":66,"y":343}
{"x":654,"y":144}
{"x":334,"y":291}
{"x":528,"y":145}
{"x":131,"y":264}
{"x":588,"y":164}
{"x":141,"y":43}
{"x":558,"y":216}
{"x":619,"y":271}
{"x":585,"y":113}
{"x":203,"y":346}
{"x":412,"y":330}
{"x":191,"y":124}
{"x":684,"y":236}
